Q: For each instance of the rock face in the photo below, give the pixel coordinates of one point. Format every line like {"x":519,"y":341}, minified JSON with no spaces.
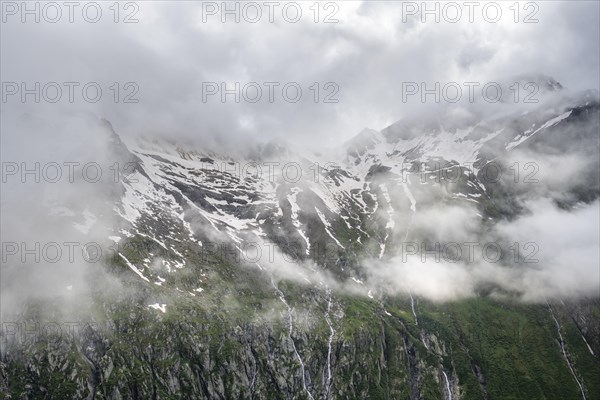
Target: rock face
{"x":199,"y":314}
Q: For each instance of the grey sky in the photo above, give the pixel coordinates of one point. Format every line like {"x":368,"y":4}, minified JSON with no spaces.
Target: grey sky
{"x":369,"y":53}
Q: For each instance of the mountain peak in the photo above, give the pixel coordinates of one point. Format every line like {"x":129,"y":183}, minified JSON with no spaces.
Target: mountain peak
{"x":364,"y":140}
{"x":543,"y":82}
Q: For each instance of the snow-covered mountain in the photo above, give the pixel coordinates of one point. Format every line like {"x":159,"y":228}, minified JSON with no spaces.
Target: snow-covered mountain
{"x":258,"y":273}
{"x":363,"y":192}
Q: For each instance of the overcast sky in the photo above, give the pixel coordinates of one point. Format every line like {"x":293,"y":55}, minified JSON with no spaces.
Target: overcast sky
{"x":368,"y":54}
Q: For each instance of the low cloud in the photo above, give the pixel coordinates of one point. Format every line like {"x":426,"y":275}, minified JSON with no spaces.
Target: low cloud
{"x":558,"y":258}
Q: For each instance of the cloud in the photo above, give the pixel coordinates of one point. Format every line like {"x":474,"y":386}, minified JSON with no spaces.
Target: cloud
{"x":56,"y":211}
{"x":557,"y":250}
{"x":568,"y":250}
{"x":369,"y":53}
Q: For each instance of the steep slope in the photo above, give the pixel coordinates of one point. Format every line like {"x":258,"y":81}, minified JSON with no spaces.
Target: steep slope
{"x":246,"y":277}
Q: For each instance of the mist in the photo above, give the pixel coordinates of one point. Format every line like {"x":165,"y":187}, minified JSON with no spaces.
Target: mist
{"x":369,"y":55}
